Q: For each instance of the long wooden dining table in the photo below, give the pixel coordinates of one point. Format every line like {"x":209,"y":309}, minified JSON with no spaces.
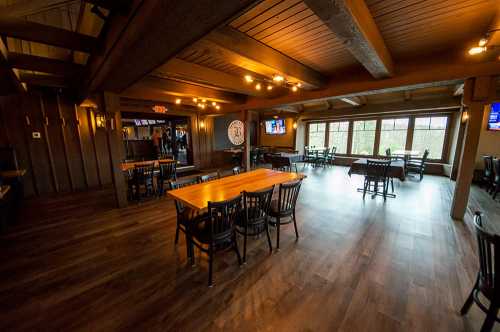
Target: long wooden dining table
{"x":197,"y":196}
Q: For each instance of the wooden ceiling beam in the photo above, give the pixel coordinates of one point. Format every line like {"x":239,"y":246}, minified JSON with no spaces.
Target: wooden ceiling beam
{"x":431,"y":104}
{"x":152,"y":33}
{"x":354,"y":101}
{"x":153,"y":88}
{"x":41,"y":33}
{"x":44,"y":80}
{"x":183,"y":70}
{"x":45,"y":65}
{"x":9,"y":77}
{"x":31,"y":7}
{"x":352,"y":22}
{"x":446,"y":68}
{"x":246,"y":52}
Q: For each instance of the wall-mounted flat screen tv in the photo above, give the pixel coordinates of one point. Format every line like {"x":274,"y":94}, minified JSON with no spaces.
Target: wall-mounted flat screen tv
{"x":494,"y":119}
{"x":275,"y":127}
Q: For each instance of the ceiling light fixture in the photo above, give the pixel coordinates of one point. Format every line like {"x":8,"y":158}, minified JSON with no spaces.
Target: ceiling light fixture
{"x":214,"y":103}
{"x":178,"y":101}
{"x":477,"y":50}
{"x":248,"y":78}
{"x":217,"y":107}
{"x":294,"y":88}
{"x":278,"y":78}
{"x":195,"y":100}
{"x":269,"y":87}
{"x":270,"y":83}
{"x":483,"y":42}
{"x":257,"y":86}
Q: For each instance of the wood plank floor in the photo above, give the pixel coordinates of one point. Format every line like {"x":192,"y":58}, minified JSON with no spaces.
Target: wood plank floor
{"x":402,"y":265}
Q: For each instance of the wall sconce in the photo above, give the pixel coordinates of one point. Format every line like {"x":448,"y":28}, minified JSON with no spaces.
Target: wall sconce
{"x":295,"y":125}
{"x":202,"y":124}
{"x":100,"y":120}
{"x":465,"y":116}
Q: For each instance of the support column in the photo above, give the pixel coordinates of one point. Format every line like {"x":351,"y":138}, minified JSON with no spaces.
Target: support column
{"x":477,"y":93}
{"x":247,"y":147}
{"x":111,"y":104}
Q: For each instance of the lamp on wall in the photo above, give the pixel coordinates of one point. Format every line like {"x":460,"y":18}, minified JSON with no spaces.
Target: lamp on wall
{"x":100,"y":120}
{"x":465,"y":116}
{"x":202,"y":124}
{"x":295,"y":125}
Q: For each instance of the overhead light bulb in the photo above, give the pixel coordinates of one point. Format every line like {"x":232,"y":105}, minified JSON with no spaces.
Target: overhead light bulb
{"x":202,"y":106}
{"x":178,"y":101}
{"x":483,"y":42}
{"x":294,"y":88}
{"x":477,"y":50}
{"x":199,"y":105}
{"x":195,"y":100}
{"x":217,"y":107}
{"x":257,"y":86}
{"x":269,"y":87}
{"x":248,"y":78}
{"x":214,"y":103}
{"x":203,"y":100}
{"x":278,"y":78}
{"x":299,"y":85}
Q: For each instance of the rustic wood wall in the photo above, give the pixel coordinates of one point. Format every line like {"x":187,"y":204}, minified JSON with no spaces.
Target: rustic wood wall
{"x":71,"y":154}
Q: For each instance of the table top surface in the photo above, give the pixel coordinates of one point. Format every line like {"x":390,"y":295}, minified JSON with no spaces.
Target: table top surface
{"x":197,"y":196}
{"x":394,"y":163}
{"x":4,"y":190}
{"x":12,"y":173}
{"x":128,"y":166}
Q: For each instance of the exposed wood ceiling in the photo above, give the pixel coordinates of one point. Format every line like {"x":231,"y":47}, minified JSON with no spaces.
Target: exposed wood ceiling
{"x":336,"y":50}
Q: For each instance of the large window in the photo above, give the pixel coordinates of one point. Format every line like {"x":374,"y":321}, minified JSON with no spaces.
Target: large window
{"x":363,"y":137}
{"x":317,"y":134}
{"x":429,"y":134}
{"x":393,"y":135}
{"x":337,"y":136}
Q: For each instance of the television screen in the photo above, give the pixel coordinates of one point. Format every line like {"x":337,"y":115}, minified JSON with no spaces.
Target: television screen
{"x":494,"y":119}
{"x":275,"y":127}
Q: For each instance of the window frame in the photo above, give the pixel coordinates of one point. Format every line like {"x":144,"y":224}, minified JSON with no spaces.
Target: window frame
{"x":375,"y":139}
{"x":349,"y":129}
{"x":408,"y":130}
{"x":445,"y":149}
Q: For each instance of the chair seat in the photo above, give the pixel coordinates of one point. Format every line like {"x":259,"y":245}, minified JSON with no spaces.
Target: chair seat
{"x":200,"y":230}
{"x":274,"y":212}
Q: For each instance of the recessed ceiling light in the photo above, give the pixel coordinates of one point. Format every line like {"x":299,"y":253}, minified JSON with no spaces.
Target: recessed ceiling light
{"x":248,"y":78}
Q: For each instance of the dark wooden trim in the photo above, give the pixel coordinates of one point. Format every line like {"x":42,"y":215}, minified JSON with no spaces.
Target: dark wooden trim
{"x":9,"y":78}
{"x":92,"y":138}
{"x":409,"y":135}
{"x":45,"y":120}
{"x":376,"y":143}
{"x":65,"y":142}
{"x":80,"y":144}
{"x":44,"y":80}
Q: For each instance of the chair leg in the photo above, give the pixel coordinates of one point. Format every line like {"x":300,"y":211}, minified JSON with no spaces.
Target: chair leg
{"x":490,"y":318}
{"x":235,"y":247}
{"x":177,"y":233}
{"x":295,"y":225}
{"x":392,"y":184}
{"x":277,"y":233}
{"x":245,"y":245}
{"x":268,"y":237}
{"x":469,"y":301}
{"x":210,"y":265}
{"x":364,"y":188}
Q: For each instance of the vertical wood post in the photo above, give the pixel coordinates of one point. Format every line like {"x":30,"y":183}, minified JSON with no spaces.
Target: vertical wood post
{"x":477,"y":92}
{"x":246,"y":146}
{"x":111,"y":103}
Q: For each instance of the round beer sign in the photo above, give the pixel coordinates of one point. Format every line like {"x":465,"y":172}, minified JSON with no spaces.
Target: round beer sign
{"x":236,"y":131}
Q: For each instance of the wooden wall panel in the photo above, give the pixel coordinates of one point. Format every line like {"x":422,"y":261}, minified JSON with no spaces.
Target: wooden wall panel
{"x":68,"y":156}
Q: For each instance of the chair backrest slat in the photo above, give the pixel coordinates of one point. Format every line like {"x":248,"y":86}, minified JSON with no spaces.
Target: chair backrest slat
{"x":489,"y":255}
{"x":168,"y":170}
{"x":180,"y":184}
{"x":287,"y":197}
{"x":377,"y":168}
{"x":257,"y":205}
{"x":222,"y":218}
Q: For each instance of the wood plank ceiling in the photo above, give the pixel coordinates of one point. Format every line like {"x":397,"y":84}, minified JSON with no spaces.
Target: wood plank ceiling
{"x":67,"y":15}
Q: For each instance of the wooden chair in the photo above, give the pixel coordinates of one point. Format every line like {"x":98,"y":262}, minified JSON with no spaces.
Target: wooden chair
{"x":217,"y":231}
{"x":168,"y":172}
{"x":209,"y":177}
{"x":310,"y":155}
{"x":284,"y":207}
{"x":236,"y":170}
{"x":488,"y":278}
{"x":143,"y":176}
{"x":376,"y":175}
{"x":489,"y":174}
{"x":496,"y":178}
{"x":256,"y":209}
{"x":185,"y":216}
{"x":417,"y":165}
